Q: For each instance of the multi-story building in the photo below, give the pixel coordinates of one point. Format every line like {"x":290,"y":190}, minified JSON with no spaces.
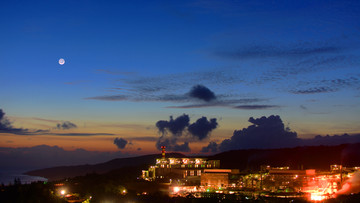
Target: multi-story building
{"x":184,"y":170}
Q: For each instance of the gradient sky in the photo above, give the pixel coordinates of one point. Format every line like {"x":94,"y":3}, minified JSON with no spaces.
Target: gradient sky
{"x":130,"y":64}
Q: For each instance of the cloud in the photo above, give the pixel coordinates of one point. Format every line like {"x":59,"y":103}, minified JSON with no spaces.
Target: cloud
{"x":269,"y":133}
{"x":171,"y":131}
{"x":314,"y":90}
{"x":175,"y":127}
{"x":267,"y":51}
{"x":255,"y":107}
{"x":221,"y":103}
{"x":171,"y":145}
{"x":201,"y":92}
{"x":212,"y":147}
{"x":66,"y":125}
{"x":327,"y":85}
{"x":265,"y":132}
{"x":120,"y":142}
{"x":202,"y":127}
{"x":6,"y":127}
{"x":109,"y":98}
{"x":150,"y":139}
{"x":332,"y":140}
{"x":79,"y":134}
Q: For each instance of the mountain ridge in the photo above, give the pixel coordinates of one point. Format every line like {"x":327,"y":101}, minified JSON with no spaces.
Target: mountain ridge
{"x":305,"y":157}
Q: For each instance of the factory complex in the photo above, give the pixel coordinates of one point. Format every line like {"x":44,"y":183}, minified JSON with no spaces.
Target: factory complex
{"x":201,"y":177}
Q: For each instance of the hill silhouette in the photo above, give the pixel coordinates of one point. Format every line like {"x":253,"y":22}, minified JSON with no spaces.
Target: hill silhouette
{"x":307,"y":157}
{"x":56,"y":173}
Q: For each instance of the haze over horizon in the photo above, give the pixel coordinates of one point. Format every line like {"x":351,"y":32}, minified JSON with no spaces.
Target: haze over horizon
{"x":196,"y":76}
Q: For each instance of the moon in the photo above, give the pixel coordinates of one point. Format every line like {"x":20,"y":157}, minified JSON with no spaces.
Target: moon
{"x":61,"y":61}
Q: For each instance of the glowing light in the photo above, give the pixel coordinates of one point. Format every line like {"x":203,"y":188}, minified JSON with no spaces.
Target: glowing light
{"x":317,"y":197}
{"x":176,"y":189}
{"x":61,"y":61}
{"x":62,"y":192}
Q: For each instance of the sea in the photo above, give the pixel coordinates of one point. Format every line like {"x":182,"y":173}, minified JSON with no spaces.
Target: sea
{"x":8,"y":177}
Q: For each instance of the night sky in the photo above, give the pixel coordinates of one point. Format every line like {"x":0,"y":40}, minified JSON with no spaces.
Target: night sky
{"x":185,"y":74}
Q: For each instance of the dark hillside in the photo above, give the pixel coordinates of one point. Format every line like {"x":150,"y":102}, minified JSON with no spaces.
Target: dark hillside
{"x":60,"y":172}
{"x":317,"y":157}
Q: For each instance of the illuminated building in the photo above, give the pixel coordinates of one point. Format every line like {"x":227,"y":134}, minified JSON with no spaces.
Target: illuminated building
{"x":201,"y":177}
{"x":185,"y":170}
{"x":217,"y":178}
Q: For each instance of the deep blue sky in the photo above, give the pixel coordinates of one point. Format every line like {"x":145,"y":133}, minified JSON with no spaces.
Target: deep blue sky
{"x":130,"y":64}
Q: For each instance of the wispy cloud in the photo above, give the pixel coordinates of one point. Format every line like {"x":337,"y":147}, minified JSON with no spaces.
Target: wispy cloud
{"x":314,"y":90}
{"x":109,"y":98}
{"x":255,"y":107}
{"x":263,"y":51}
{"x":79,"y":134}
{"x":199,"y":96}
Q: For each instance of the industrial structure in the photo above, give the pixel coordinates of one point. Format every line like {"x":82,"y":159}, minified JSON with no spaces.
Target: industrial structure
{"x":200,"y":176}
{"x":183,"y":170}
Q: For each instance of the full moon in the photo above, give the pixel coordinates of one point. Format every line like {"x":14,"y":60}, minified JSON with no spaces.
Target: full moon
{"x":61,"y":61}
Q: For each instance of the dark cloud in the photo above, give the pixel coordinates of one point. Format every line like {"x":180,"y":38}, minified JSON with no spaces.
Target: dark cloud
{"x":269,"y":133}
{"x":265,"y":132}
{"x":175,"y":127}
{"x":66,"y":125}
{"x":201,"y":92}
{"x":172,"y":145}
{"x":6,"y":127}
{"x":314,"y":90}
{"x":4,"y":122}
{"x":212,"y":147}
{"x":120,"y":142}
{"x":326,"y":86}
{"x":202,"y":127}
{"x":303,"y":107}
{"x":181,"y":147}
{"x":255,"y":107}
{"x":109,"y":98}
{"x":221,"y":103}
{"x":308,"y":65}
{"x":332,"y":140}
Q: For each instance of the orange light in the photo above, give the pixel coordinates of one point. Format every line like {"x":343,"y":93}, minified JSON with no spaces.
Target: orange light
{"x":317,"y":197}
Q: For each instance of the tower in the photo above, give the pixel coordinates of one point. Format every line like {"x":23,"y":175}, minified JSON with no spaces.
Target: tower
{"x":163,"y":152}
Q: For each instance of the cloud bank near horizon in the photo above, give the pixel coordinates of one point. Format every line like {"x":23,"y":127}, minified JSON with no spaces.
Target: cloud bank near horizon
{"x":270,"y":133}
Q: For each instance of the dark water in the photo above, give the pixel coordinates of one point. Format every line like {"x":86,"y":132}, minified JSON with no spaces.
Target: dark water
{"x":8,"y":177}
